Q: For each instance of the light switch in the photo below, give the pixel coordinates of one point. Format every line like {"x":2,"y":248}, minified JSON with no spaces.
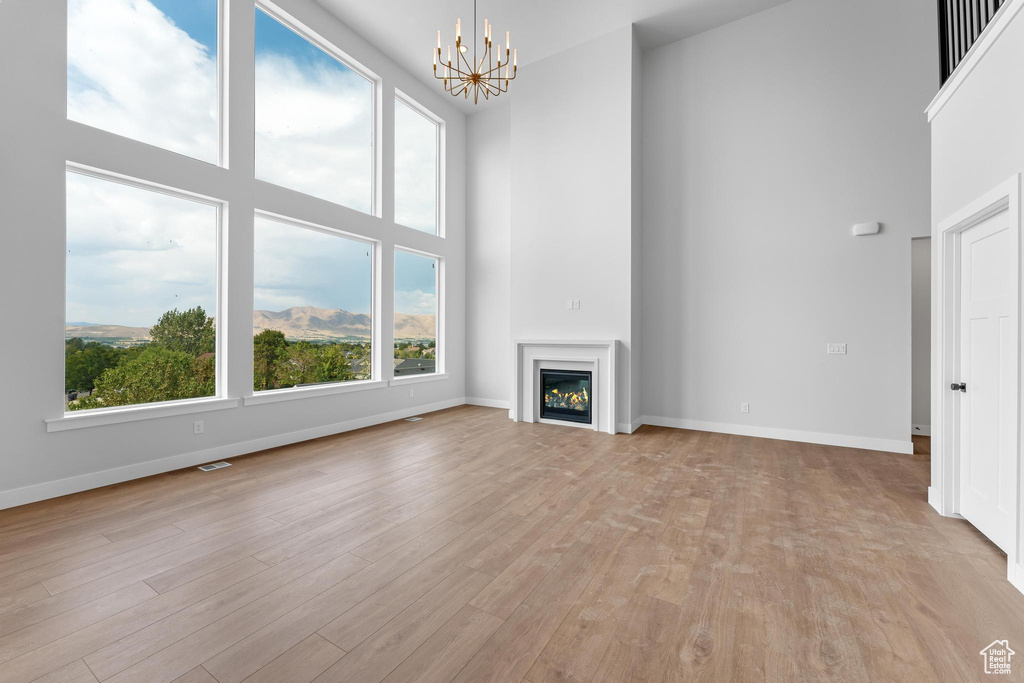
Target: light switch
{"x":836,"y":349}
{"x":570,"y":304}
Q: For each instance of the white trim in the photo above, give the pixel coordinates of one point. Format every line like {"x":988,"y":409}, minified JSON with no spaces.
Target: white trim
{"x":945,"y":332}
{"x":844,"y":440}
{"x":629,"y":428}
{"x":439,"y":213}
{"x":92,"y":480}
{"x":921,"y":430}
{"x":487,"y":402}
{"x":416,"y":379}
{"x":295,"y":393}
{"x":147,"y":411}
{"x":974,"y":56}
{"x":1015,"y":575}
{"x":525,"y":356}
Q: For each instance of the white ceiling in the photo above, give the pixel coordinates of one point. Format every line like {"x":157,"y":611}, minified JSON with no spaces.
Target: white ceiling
{"x":406,"y":30}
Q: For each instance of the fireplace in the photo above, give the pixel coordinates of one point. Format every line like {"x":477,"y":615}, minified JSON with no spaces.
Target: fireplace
{"x":565,"y":395}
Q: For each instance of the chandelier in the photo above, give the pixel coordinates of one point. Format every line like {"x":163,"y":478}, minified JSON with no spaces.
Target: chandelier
{"x":483,"y":74}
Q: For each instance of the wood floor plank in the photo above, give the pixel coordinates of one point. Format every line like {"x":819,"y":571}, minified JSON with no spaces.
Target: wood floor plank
{"x":199,"y":646}
{"x":379,"y":655}
{"x":119,"y":627}
{"x":511,"y":651}
{"x":440,"y":658}
{"x":301,"y":663}
{"x":75,"y":672}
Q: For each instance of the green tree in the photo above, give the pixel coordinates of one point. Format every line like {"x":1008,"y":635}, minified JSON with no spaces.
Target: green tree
{"x":269,"y":347}
{"x":84,"y":362}
{"x":189,"y":332}
{"x":153,"y":374}
{"x":306,"y":363}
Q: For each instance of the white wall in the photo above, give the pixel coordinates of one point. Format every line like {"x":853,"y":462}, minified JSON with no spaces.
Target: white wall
{"x":764,"y":142}
{"x":921,"y":334}
{"x":572,"y":199}
{"x":488,"y":240}
{"x":35,"y":142}
{"x":977,"y":144}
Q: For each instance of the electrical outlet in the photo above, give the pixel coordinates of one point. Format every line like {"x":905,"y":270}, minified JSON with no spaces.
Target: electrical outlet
{"x":744,"y":407}
{"x":569,"y":305}
{"x":576,"y":304}
{"x":836,"y":349}
{"x":411,"y":393}
{"x":197,"y":427}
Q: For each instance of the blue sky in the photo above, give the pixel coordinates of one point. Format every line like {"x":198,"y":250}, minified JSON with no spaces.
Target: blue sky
{"x":197,"y":18}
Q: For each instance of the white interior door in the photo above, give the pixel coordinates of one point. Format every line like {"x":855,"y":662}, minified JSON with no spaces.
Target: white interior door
{"x":988,"y":368}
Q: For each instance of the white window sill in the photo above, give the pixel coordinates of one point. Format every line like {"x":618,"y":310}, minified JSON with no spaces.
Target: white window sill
{"x":295,"y":393}
{"x":148,"y":411}
{"x":416,"y":379}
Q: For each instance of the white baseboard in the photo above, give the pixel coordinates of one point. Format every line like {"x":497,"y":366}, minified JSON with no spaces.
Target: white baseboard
{"x":92,"y":480}
{"x":862,"y":442}
{"x":921,"y":430}
{"x":488,"y":402}
{"x":629,"y":428}
{"x":1015,"y":574}
{"x":933,"y":500}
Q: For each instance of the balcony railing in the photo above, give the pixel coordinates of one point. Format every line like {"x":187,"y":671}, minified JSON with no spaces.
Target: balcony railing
{"x":960,"y":24}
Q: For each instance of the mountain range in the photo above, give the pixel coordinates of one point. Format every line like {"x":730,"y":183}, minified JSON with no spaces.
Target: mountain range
{"x":299,"y":322}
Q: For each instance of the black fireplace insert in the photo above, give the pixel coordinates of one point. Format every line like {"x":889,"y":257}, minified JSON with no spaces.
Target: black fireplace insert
{"x":565,"y":395}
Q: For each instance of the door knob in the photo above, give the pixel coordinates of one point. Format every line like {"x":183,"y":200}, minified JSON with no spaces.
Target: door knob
{"x":958,"y":387}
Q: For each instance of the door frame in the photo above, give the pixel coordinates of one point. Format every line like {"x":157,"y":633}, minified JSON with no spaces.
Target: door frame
{"x":944,"y":493}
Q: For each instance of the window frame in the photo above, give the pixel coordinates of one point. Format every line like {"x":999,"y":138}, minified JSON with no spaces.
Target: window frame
{"x":440,"y":175}
{"x":119,"y":158}
{"x":440,"y":370}
{"x":328,"y":388}
{"x":221,"y":297}
{"x":222,"y":99}
{"x":327,"y":47}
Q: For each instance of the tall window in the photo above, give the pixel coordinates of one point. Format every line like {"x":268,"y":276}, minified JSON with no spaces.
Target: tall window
{"x":416,"y":284}
{"x":313,"y":303}
{"x":141,"y":295}
{"x":146,"y":69}
{"x":416,"y":168}
{"x":314,"y":119}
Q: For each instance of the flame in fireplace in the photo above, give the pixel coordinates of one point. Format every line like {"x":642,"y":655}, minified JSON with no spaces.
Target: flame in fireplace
{"x":573,"y":400}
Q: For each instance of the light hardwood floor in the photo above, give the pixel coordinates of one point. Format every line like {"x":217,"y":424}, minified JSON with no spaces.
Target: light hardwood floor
{"x":466,"y":547}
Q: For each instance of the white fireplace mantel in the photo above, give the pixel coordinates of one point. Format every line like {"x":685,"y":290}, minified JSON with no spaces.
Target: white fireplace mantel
{"x":530,"y":356}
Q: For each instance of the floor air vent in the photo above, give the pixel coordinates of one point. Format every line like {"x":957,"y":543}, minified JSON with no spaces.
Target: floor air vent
{"x":214,"y":466}
{"x":413,"y":419}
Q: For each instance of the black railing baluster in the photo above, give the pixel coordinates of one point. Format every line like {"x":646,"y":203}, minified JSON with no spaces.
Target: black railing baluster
{"x":961,"y":23}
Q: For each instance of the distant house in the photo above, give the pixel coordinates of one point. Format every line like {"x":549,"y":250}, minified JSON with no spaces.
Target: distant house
{"x":415,"y":366}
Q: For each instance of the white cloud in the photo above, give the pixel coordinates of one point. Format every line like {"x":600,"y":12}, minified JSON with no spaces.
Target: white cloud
{"x":131,"y":71}
{"x":416,"y":302}
{"x":415,"y":170}
{"x":133,"y":254}
{"x":301,"y":267}
{"x":314,"y":129}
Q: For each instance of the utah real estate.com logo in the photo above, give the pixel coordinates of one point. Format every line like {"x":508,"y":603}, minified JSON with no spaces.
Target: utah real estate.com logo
{"x":997,"y":657}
